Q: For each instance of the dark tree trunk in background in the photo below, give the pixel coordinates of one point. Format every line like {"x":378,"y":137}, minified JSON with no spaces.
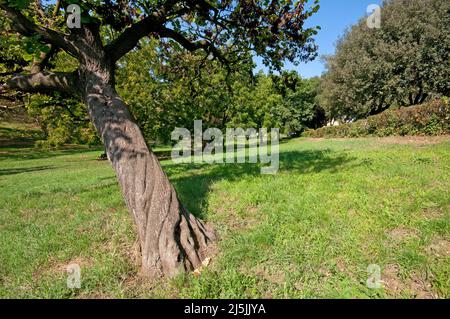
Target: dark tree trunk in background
{"x":171,"y":239}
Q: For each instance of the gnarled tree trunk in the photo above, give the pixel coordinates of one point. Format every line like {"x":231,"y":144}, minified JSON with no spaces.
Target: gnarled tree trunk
{"x":171,"y":239}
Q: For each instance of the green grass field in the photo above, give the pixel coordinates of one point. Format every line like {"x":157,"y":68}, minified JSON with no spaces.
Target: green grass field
{"x":311,"y":231}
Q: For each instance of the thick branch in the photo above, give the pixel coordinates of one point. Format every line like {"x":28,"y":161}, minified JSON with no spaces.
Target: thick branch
{"x":155,"y":24}
{"x":129,"y":38}
{"x":42,"y":82}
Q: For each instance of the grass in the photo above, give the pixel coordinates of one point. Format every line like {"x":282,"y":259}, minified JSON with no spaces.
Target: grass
{"x":311,"y":231}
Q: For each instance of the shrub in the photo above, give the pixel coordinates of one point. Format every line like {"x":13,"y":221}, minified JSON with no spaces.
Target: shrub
{"x":431,"y":118}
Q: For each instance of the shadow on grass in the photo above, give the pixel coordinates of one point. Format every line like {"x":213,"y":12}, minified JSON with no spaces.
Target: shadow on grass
{"x":33,"y":153}
{"x":193,"y":181}
{"x":20,"y":132}
{"x":19,"y":142}
{"x":19,"y":138}
{"x":67,"y":191}
{"x":14,"y":171}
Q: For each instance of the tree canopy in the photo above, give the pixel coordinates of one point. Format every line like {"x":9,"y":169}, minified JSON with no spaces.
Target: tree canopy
{"x":166,"y":79}
{"x":165,"y":85}
{"x":226,"y":30}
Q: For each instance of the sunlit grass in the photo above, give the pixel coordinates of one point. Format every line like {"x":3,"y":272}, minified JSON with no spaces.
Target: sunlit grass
{"x":334,"y":208}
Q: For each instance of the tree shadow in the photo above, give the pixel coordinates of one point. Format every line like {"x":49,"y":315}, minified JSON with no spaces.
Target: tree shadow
{"x":33,"y":153}
{"x":18,"y":137}
{"x":14,"y":171}
{"x":193,"y":181}
{"x":68,"y":191}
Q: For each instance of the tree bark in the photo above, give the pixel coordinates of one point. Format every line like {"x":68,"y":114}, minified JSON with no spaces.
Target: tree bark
{"x":171,"y":239}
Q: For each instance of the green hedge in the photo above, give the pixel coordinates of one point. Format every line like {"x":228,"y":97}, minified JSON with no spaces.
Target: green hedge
{"x":431,"y":118}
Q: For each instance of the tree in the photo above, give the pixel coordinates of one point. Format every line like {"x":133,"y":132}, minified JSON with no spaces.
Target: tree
{"x":404,"y":62}
{"x":253,"y":103}
{"x":171,"y":239}
{"x":300,"y":108}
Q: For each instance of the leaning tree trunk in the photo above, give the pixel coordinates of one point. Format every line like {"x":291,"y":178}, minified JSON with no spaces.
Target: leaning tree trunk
{"x":171,"y":239}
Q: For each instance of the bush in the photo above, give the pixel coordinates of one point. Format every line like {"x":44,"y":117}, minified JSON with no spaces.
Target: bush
{"x":427,"y":119}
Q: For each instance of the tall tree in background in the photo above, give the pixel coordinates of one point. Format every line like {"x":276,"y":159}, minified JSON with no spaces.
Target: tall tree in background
{"x":403,"y":63}
{"x":171,"y":239}
{"x":300,"y":107}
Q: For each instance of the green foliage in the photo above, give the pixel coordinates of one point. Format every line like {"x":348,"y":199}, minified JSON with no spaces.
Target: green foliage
{"x":275,"y":30}
{"x":19,"y":4}
{"x":11,"y":48}
{"x":253,"y":104}
{"x":172,"y":90}
{"x":299,"y":109}
{"x":432,"y":118}
{"x":403,"y":63}
{"x":63,"y":120}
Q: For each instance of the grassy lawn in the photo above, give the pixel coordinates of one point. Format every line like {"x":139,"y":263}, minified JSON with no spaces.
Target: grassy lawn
{"x":311,"y":231}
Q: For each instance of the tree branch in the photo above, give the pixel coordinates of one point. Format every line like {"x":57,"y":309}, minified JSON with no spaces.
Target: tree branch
{"x":42,"y":82}
{"x":154,"y":23}
{"x":129,"y":38}
{"x":194,"y":45}
{"x":25,"y":27}
{"x":181,"y":39}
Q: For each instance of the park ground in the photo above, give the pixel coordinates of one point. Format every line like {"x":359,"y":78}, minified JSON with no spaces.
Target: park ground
{"x":311,"y":231}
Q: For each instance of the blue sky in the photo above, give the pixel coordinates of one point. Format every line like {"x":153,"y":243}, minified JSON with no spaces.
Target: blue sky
{"x":334,"y":17}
